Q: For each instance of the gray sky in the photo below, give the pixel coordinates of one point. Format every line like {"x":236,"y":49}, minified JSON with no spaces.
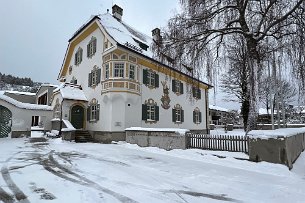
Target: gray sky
{"x":34,"y":33}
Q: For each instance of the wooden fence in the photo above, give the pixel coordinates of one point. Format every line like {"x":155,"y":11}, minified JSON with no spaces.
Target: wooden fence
{"x":231,"y":143}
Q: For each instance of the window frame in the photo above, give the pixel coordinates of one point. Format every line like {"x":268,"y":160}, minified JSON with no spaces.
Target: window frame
{"x":78,"y":56}
{"x":107,"y":71}
{"x":132,"y":71}
{"x":91,"y":46}
{"x":151,"y":78}
{"x":120,"y":71}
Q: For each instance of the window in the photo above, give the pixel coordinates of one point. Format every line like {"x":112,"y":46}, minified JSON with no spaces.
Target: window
{"x":150,"y":78}
{"x":73,"y":80}
{"x":177,"y":114}
{"x":91,"y":47}
{"x":196,"y":92}
{"x":119,"y":70}
{"x":70,"y":70}
{"x":150,"y":111}
{"x":94,"y":77}
{"x":78,"y":56}
{"x":197,"y":116}
{"x":93,"y":111}
{"x":177,"y":86}
{"x":132,"y":71}
{"x":114,"y":56}
{"x":107,"y":71}
{"x":35,"y":121}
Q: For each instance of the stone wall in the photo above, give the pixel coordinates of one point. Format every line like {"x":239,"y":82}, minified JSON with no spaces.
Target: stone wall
{"x":107,"y":137}
{"x":163,"y":140}
{"x":282,"y":150}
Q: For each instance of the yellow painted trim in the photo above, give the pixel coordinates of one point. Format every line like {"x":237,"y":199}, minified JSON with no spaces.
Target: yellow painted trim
{"x":121,"y":91}
{"x":74,"y":43}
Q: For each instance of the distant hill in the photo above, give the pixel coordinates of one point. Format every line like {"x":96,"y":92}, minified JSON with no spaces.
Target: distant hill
{"x":10,"y":82}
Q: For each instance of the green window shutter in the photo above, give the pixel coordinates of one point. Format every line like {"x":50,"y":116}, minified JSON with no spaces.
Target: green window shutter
{"x":156,"y":80}
{"x":88,"y":113}
{"x":174,"y":115}
{"x":194,"y":91}
{"x":174,"y":85}
{"x":88,"y":50}
{"x":98,"y":112}
{"x":181,"y":88}
{"x":182,"y":115}
{"x":144,"y":112}
{"x":75,"y":58}
{"x":145,"y":79}
{"x":157,"y":113}
{"x":94,"y":46}
{"x":89,"y":80}
{"x":200,"y":117}
{"x":194,"y":116}
{"x":99,"y":72}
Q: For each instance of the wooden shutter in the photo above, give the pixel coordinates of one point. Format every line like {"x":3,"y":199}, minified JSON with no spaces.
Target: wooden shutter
{"x":181,"y":88}
{"x":98,"y":112}
{"x":145,"y":73}
{"x":157,"y":113}
{"x":182,"y":115}
{"x":200,"y":117}
{"x":156,"y":80}
{"x":88,"y":113}
{"x":194,"y":91}
{"x":174,"y":115}
{"x":194,"y":116}
{"x":81,"y":55}
{"x":198,"y":93}
{"x":99,"y":73}
{"x":144,"y":112}
{"x":94,"y":46}
{"x":88,"y":50}
{"x":89,"y":79}
{"x":75,"y":58}
{"x":174,"y":85}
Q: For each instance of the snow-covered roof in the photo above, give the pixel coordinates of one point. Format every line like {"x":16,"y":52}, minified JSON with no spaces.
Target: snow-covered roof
{"x":48,"y":85}
{"x":71,"y":91}
{"x":218,"y":108}
{"x":24,"y":105}
{"x":21,"y":93}
{"x":125,"y":34}
{"x":176,"y":130}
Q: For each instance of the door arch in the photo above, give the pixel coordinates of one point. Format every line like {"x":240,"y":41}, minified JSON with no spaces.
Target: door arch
{"x":5,"y":121}
{"x":77,"y":116}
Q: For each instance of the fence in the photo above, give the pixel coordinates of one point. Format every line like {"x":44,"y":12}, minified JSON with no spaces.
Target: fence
{"x":232,"y":143}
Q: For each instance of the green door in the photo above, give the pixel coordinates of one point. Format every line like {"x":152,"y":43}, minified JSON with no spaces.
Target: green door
{"x":77,"y":117}
{"x":5,"y":121}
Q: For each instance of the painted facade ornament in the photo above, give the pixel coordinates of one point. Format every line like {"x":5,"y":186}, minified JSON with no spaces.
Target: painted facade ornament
{"x":165,"y":97}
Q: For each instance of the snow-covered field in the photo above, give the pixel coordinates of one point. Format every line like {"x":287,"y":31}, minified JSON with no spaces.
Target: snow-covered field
{"x":60,"y":171}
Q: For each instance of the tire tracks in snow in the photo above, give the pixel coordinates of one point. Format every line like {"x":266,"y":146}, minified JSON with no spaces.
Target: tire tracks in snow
{"x":61,"y":171}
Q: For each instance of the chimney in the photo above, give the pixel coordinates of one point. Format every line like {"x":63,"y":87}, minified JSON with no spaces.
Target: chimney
{"x":156,"y":35}
{"x":117,"y":12}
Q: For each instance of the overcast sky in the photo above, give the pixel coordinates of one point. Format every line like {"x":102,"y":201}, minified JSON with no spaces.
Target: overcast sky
{"x":34,"y":33}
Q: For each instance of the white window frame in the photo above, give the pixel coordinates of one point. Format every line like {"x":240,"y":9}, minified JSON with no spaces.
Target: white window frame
{"x":132,"y":71}
{"x":78,"y":56}
{"x":151,"y":78}
{"x":197,"y":117}
{"x":107,"y":71}
{"x":151,"y":115}
{"x":94,"y":77}
{"x":178,"y":115}
{"x":91,"y":47}
{"x":118,"y":72}
{"x":93,"y":112}
{"x":177,"y":86}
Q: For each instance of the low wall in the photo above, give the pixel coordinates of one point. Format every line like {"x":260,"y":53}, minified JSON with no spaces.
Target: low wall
{"x":163,"y":140}
{"x":107,"y":137}
{"x":282,"y":149}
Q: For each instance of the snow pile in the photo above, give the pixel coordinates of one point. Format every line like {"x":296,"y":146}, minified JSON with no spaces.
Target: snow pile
{"x":69,"y":126}
{"x":176,"y":130}
{"x":53,"y":133}
{"x":217,"y":108}
{"x":37,"y":132}
{"x":278,"y":133}
{"x":70,"y":91}
{"x":25,"y":105}
{"x":21,"y":93}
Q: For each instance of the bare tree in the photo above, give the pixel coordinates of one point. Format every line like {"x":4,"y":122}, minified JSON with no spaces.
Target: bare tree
{"x":203,"y":28}
{"x":235,"y":80}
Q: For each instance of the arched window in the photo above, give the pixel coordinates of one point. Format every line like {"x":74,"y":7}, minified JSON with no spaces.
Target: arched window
{"x":197,"y":115}
{"x":150,"y":111}
{"x":93,"y":111}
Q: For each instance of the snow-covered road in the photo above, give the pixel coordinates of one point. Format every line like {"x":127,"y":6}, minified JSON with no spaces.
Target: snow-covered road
{"x":59,"y":171}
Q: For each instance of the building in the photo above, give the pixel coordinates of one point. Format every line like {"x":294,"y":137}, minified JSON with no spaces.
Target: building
{"x":19,"y":111}
{"x":111,"y":82}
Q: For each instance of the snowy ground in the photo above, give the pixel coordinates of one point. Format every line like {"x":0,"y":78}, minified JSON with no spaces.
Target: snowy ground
{"x":221,"y":131}
{"x":60,"y":171}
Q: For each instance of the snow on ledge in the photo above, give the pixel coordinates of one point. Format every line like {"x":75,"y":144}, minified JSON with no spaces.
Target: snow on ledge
{"x":25,"y":105}
{"x":69,"y":126}
{"x":176,"y":130}
{"x":278,"y":133}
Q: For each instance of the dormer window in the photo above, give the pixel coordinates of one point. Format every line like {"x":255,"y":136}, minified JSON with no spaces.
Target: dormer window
{"x":78,"y":57}
{"x":91,"y":47}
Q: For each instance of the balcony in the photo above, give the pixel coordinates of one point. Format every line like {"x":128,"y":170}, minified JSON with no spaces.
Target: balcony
{"x":121,"y":85}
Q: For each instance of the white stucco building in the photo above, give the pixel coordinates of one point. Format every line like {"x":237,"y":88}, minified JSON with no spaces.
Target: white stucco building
{"x":121,"y":85}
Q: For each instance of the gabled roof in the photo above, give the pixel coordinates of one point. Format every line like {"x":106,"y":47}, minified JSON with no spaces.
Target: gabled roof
{"x":129,"y":38}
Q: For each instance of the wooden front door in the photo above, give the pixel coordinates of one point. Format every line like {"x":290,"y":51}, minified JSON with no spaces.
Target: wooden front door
{"x":77,"y":117}
{"x":5,"y":121}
